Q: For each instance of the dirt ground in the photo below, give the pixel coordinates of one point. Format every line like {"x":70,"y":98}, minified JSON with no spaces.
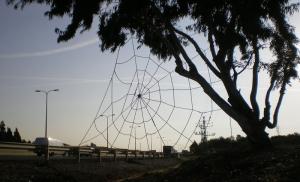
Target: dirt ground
{"x":68,"y":170}
{"x":237,"y":164}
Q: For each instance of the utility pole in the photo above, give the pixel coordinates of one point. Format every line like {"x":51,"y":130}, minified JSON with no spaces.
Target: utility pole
{"x":102,"y":115}
{"x":203,"y":126}
{"x":151,"y":142}
{"x":135,"y":136}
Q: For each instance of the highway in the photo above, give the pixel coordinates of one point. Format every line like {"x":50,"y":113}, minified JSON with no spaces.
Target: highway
{"x":21,"y":151}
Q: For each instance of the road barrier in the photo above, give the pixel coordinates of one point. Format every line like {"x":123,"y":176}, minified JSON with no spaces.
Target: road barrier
{"x":79,"y":152}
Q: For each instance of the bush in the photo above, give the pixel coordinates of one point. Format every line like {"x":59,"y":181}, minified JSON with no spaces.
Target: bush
{"x":220,"y":144}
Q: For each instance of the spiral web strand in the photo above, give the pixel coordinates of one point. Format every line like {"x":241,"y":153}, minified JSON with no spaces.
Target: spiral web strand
{"x":147,"y":102}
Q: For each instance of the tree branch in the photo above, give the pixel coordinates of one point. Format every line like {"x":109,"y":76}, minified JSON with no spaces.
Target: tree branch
{"x":235,"y":98}
{"x":175,"y":41}
{"x":211,"y":44}
{"x":247,"y":64}
{"x":255,"y":81}
{"x":275,"y":115}
{"x":194,"y":75}
{"x":241,"y":119}
{"x":232,"y":66}
{"x":200,"y":52}
{"x":266,"y":118}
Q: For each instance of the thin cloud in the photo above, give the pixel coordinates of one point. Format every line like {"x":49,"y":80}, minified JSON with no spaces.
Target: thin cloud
{"x":53,"y":79}
{"x":49,"y":52}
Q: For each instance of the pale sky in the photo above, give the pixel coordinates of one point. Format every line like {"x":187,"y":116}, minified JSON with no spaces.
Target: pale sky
{"x":31,"y":59}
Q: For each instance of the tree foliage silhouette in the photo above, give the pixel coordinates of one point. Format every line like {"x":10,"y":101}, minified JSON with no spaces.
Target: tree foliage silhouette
{"x":6,"y":134}
{"x":236,"y":30}
{"x":194,"y":148}
{"x":17,"y":136}
{"x":9,"y":135}
{"x":2,"y":131}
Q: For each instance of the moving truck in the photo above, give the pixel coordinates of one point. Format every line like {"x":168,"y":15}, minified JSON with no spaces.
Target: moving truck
{"x":56,"y":145}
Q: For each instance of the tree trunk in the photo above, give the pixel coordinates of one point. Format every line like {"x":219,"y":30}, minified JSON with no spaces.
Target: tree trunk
{"x":257,"y":135}
{"x":254,"y":129}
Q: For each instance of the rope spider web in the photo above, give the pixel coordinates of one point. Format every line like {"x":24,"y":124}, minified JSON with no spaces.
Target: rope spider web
{"x":146,"y":101}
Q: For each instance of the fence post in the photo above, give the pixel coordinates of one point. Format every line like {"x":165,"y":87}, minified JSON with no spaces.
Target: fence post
{"x":115,"y":155}
{"x":99,"y":155}
{"x":126,"y":155}
{"x":47,"y":152}
{"x":78,"y":154}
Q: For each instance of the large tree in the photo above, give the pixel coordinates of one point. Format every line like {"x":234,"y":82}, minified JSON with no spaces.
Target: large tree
{"x":236,"y":32}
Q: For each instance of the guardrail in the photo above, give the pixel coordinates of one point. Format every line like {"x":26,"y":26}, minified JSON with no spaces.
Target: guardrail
{"x":7,"y":148}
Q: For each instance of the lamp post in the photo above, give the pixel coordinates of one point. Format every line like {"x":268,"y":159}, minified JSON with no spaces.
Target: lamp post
{"x":151,"y":143}
{"x":102,"y":115}
{"x":135,"y":136}
{"x":162,"y":142}
{"x":46,"y":92}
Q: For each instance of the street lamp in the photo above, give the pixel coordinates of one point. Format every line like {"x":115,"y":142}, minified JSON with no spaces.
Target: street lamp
{"x":102,"y":115}
{"x":46,"y":135}
{"x":135,"y":136}
{"x":162,"y":142}
{"x":151,"y":142}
